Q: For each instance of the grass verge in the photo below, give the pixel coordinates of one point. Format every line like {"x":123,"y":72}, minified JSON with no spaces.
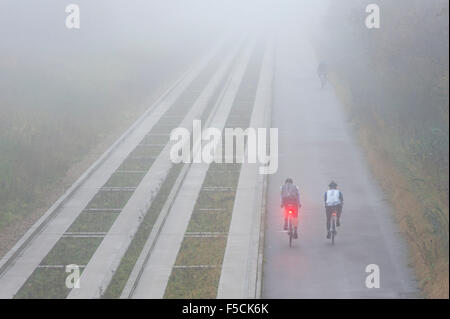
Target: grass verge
{"x":201,"y":251}
{"x":93,"y":222}
{"x":72,"y":250}
{"x":420,"y":210}
{"x":193,"y":283}
{"x":45,"y":283}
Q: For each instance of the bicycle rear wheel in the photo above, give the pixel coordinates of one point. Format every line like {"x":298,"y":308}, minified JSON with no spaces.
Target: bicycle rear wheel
{"x":290,"y":233}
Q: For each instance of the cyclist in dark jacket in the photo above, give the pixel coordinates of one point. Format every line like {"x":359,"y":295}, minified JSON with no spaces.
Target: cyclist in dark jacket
{"x":290,"y":197}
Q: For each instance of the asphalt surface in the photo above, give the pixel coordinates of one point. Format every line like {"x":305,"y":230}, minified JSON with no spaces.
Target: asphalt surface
{"x":317,"y":145}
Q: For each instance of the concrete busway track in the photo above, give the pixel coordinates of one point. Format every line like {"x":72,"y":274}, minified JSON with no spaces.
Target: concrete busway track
{"x":316,"y":146}
{"x":138,"y":268}
{"x":107,"y":257}
{"x":241,"y":268}
{"x":26,"y":256}
{"x":154,"y":273}
{"x":199,"y":262}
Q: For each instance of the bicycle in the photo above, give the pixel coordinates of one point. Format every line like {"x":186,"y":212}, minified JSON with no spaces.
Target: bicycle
{"x":291,"y":211}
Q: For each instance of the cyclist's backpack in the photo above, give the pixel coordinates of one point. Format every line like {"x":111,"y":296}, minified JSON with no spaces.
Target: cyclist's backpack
{"x":333,"y":197}
{"x":290,"y":193}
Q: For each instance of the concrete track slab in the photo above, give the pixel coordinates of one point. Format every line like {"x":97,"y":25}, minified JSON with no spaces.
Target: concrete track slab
{"x":240,"y":266}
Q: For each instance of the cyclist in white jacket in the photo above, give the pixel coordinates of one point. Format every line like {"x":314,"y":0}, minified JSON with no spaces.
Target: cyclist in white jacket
{"x":333,"y":200}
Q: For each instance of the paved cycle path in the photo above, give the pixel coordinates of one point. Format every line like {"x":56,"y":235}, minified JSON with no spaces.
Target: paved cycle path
{"x":316,"y":146}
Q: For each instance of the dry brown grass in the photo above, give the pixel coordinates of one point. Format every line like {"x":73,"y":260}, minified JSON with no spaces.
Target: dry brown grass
{"x":425,"y":249}
{"x":428,"y":252}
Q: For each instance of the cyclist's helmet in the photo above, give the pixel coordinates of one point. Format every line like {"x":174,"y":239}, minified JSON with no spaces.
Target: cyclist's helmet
{"x":332,"y":184}
{"x":289,"y":180}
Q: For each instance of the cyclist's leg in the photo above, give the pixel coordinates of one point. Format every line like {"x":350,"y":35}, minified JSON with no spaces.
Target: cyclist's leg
{"x":339,"y":212}
{"x":328,"y":216}
{"x":285,"y":218}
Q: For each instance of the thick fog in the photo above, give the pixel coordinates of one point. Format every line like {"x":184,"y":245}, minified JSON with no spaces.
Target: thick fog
{"x":66,"y":94}
{"x":39,"y":25}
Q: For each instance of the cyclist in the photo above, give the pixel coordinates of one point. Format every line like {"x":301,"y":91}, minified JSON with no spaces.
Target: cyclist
{"x":290,"y":197}
{"x":334,"y":200}
{"x":322,"y":72}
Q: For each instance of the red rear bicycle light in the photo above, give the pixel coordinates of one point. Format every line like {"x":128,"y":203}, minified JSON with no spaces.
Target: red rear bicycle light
{"x":290,"y":211}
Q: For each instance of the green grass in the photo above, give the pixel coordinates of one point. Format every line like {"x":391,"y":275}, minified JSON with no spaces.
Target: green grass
{"x":221,"y":178}
{"x":193,"y":283}
{"x":109,"y":200}
{"x":124,"y":180}
{"x":50,"y":282}
{"x":146,"y":151}
{"x":93,"y":222}
{"x":162,"y":129}
{"x":135,"y":164}
{"x":211,"y":221}
{"x":45,"y":283}
{"x":219,"y":199}
{"x":72,"y":250}
{"x":201,"y":251}
{"x":174,"y":121}
{"x":155,"y":139}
